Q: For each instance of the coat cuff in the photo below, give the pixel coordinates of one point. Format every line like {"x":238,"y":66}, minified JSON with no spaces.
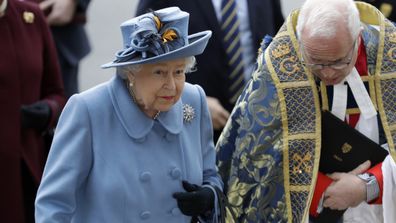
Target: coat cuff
{"x":322,"y":183}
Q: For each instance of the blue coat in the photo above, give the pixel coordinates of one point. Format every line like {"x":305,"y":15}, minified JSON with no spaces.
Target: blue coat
{"x":111,"y":163}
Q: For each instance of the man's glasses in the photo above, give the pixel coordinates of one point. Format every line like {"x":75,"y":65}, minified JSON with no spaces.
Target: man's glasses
{"x":336,"y":66}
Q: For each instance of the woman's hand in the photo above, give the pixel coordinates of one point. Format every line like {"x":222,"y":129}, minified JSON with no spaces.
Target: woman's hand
{"x":196,"y":200}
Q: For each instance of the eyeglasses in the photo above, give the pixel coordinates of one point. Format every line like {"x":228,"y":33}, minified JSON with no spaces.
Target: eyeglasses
{"x":336,"y":66}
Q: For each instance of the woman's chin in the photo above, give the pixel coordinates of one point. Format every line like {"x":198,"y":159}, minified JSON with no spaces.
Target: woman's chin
{"x":164,"y":108}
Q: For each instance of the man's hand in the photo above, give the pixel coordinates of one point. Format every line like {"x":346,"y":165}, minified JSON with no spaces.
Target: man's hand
{"x":218,"y":113}
{"x":347,"y":190}
{"x":61,"y":12}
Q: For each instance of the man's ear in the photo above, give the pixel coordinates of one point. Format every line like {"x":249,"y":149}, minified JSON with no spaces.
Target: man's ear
{"x":360,"y":35}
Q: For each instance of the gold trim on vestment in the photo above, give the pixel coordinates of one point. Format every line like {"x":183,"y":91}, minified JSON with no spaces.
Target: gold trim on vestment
{"x":309,"y":83}
{"x":285,"y":130}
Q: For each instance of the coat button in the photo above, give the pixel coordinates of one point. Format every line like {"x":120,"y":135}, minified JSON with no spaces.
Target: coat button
{"x":141,"y":139}
{"x":176,"y":212}
{"x":145,"y":215}
{"x":170,"y":137}
{"x":145,"y":176}
{"x":175,"y":173}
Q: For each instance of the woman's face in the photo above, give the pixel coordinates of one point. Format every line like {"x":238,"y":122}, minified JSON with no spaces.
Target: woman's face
{"x":157,"y":87}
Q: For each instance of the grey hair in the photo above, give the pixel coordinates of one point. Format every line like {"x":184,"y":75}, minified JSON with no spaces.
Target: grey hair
{"x":124,"y":70}
{"x":322,"y":17}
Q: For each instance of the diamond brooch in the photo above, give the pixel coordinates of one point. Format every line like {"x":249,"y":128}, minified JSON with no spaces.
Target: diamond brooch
{"x":188,"y":113}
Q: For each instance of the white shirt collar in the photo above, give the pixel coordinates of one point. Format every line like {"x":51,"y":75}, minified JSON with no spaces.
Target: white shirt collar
{"x":359,"y":92}
{"x":3,"y":7}
{"x":367,"y":123}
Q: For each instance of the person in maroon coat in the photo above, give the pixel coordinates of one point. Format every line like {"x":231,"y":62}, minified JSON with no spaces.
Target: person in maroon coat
{"x":31,"y":99}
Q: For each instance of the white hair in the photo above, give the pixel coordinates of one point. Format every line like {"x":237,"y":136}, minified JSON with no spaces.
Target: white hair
{"x":124,"y":70}
{"x":321,"y":18}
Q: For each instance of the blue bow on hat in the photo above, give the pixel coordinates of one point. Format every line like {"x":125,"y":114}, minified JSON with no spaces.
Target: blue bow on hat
{"x":158,"y":36}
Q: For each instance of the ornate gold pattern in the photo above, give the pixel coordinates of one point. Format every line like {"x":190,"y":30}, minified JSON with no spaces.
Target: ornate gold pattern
{"x":298,"y":205}
{"x":392,"y":38}
{"x":300,"y":114}
{"x":302,"y":163}
{"x":280,"y":51}
{"x":298,"y":105}
{"x":289,"y":65}
{"x":389,"y":88}
{"x":385,"y":84}
{"x":392,"y":54}
{"x":286,"y":64}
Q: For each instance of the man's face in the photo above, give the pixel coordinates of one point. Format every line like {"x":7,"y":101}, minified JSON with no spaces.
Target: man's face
{"x":331,"y":60}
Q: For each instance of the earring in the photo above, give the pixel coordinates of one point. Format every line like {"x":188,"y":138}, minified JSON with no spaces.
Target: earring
{"x":129,"y":86}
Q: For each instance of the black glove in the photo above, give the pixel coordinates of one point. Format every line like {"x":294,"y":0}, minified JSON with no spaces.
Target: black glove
{"x":36,"y":115}
{"x":196,"y":201}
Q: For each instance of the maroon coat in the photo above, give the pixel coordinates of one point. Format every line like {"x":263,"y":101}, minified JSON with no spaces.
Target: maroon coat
{"x":29,"y":72}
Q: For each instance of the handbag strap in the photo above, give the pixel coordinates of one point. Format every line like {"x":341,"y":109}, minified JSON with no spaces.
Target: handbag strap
{"x":224,"y":205}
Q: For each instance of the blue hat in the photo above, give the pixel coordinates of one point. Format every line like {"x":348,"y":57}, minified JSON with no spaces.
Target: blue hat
{"x":158,"y":36}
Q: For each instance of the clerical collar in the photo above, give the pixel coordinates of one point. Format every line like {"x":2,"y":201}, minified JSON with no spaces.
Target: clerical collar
{"x":3,"y":7}
{"x":359,"y":92}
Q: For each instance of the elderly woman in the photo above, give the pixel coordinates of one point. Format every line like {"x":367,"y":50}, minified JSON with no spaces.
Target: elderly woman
{"x":139,"y":147}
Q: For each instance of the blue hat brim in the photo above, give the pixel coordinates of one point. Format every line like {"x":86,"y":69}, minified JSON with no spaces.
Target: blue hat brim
{"x":196,"y":46}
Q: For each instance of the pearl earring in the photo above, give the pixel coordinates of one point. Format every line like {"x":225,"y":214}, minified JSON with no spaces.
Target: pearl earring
{"x":129,"y":86}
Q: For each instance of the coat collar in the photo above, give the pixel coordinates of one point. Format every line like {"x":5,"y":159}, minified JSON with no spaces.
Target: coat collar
{"x":135,"y":122}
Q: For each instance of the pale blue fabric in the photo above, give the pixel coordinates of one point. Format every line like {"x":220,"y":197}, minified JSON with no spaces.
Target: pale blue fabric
{"x":111,"y":163}
{"x":143,"y":39}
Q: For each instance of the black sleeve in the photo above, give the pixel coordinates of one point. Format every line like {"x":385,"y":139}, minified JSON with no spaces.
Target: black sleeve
{"x":278,"y":16}
{"x":82,"y":5}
